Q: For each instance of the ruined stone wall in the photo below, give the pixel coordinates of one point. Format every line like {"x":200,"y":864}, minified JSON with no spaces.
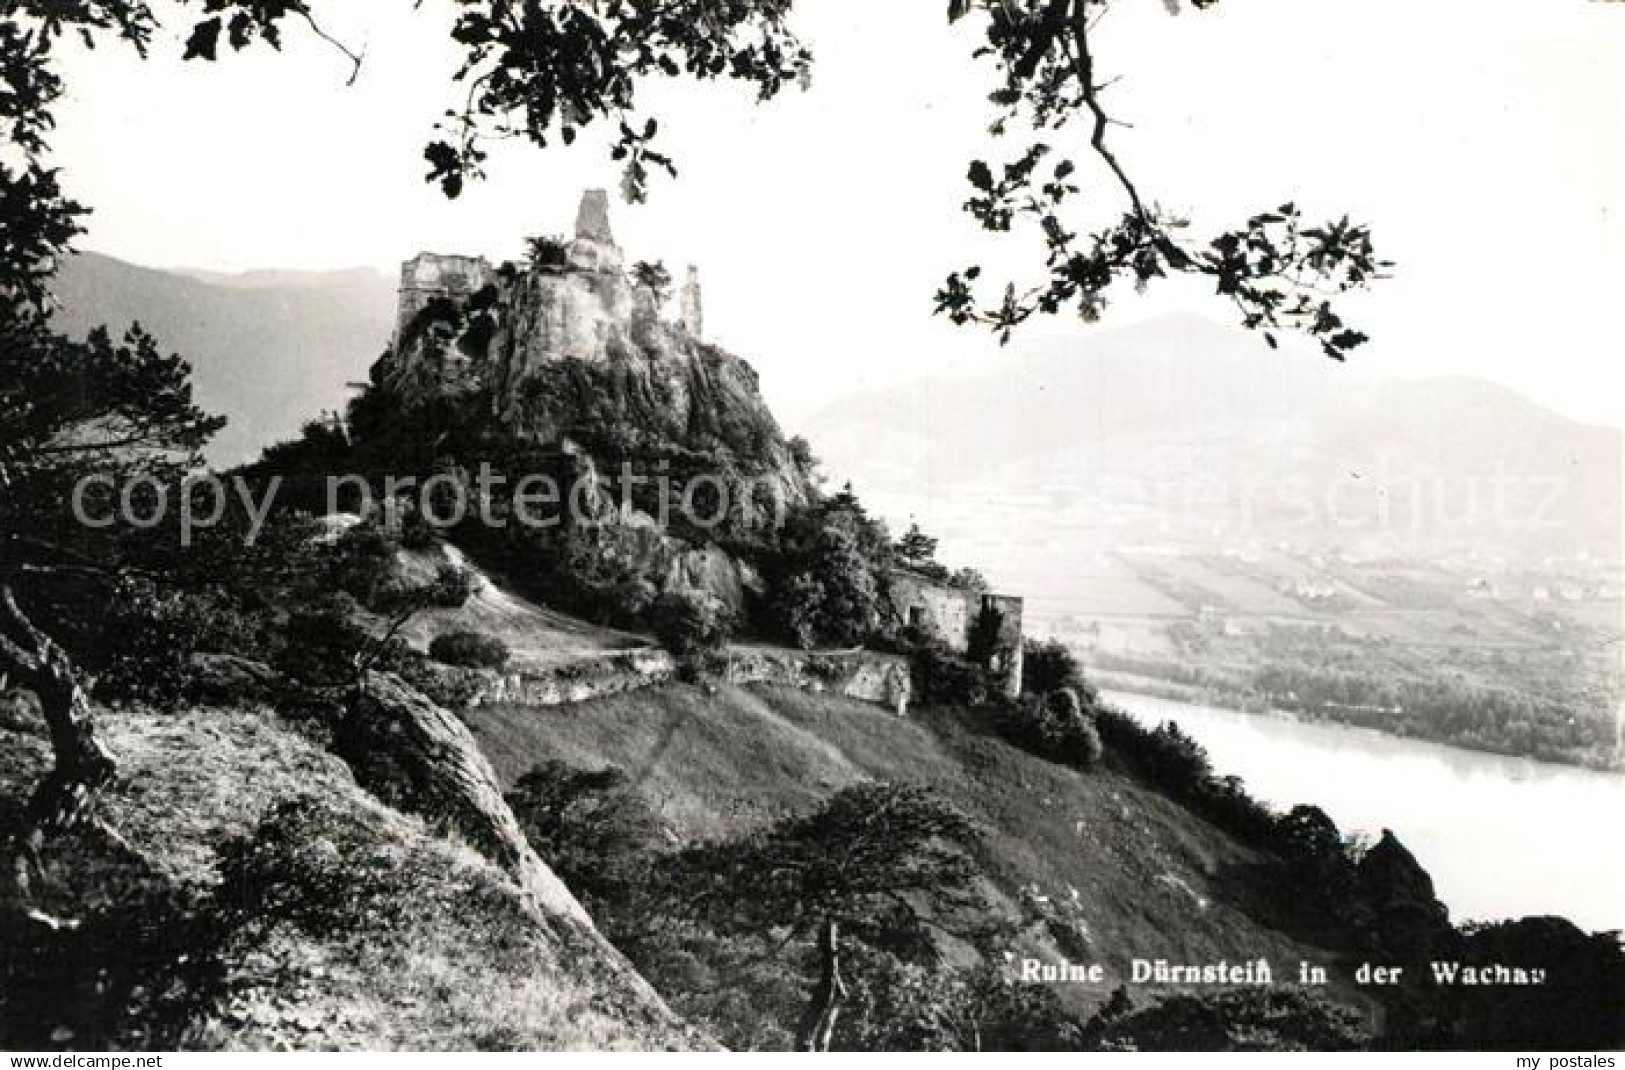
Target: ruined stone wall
{"x":1008,"y":653}
{"x":953,"y":613}
{"x":576,"y":681}
{"x":693,"y":306}
{"x":923,"y":603}
{"x":880,"y":679}
{"x":430,"y":275}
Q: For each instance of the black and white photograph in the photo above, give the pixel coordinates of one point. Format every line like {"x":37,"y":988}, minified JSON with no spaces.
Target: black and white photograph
{"x":812,"y":526}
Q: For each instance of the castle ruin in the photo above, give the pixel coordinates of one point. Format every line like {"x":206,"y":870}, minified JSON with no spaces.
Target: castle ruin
{"x":984,"y":627}
{"x":693,"y":312}
{"x":431,"y":275}
{"x":592,"y":251}
{"x":579,"y":308}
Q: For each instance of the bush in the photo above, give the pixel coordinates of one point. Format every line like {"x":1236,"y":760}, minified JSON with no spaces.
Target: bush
{"x":362,"y":563}
{"x":309,"y":865}
{"x":1049,"y":665}
{"x":1065,"y":703}
{"x":547,"y":251}
{"x":1056,"y":728}
{"x":801,"y":453}
{"x":827,"y":671}
{"x":941,"y":678}
{"x":326,"y":641}
{"x":825,"y":575}
{"x":416,"y":533}
{"x":630,"y":599}
{"x":590,"y":825}
{"x":450,"y":686}
{"x":1176,"y":763}
{"x":1086,"y":747}
{"x":469,"y":650}
{"x":654,"y":277}
{"x":146,"y":636}
{"x":1243,"y":1020}
{"x":903,"y":1006}
{"x":1164,"y":755}
{"x":969,"y":579}
{"x":691,"y":622}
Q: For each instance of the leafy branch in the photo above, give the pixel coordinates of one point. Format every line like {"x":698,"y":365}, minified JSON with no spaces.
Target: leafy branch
{"x":547,"y":72}
{"x":1280,"y":273}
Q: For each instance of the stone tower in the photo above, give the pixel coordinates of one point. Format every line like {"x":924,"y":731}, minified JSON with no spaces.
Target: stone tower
{"x":592,"y":218}
{"x":693,"y":310}
{"x":594,"y":247}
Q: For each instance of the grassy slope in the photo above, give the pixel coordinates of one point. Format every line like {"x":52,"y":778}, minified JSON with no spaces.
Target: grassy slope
{"x":451,"y":959}
{"x":1134,"y":874}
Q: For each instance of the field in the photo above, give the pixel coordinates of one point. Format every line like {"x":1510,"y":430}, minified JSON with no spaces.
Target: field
{"x":1533,"y":653}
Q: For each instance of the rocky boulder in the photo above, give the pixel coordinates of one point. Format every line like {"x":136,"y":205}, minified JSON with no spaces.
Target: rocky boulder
{"x":419,"y":758}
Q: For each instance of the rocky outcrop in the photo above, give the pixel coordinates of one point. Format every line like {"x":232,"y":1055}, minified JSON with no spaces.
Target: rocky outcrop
{"x":225,"y":835}
{"x":572,"y":354}
{"x":225,"y":679}
{"x":1393,"y":876}
{"x":572,"y":347}
{"x":417,"y":757}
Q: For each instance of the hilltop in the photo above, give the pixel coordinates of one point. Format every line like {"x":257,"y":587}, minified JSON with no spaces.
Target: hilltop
{"x":574,"y":347}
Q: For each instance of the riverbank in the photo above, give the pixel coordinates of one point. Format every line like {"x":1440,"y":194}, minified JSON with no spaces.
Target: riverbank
{"x":1502,"y":836}
{"x":1354,"y":718}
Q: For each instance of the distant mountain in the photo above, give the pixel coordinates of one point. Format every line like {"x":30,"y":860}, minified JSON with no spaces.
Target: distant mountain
{"x":1205,"y":431}
{"x":269,"y":278}
{"x":269,"y":349}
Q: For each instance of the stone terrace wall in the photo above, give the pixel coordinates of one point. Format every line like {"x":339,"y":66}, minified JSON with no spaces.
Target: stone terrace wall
{"x":881,"y":679}
{"x":578,"y":680}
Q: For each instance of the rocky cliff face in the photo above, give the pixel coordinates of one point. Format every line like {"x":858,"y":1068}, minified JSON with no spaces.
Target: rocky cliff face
{"x":573,"y":352}
{"x":571,"y":347}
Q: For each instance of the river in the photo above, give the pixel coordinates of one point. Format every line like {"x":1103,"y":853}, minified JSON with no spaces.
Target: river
{"x":1501,"y":837}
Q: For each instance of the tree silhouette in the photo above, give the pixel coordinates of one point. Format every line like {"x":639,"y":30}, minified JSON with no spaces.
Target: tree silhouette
{"x":653,"y":276}
{"x":916,"y":549}
{"x":869,"y":864}
{"x":69,"y":410}
{"x":548,"y":250}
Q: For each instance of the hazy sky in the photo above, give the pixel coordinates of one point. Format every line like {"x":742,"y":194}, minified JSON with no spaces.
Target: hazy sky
{"x":1484,"y":140}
